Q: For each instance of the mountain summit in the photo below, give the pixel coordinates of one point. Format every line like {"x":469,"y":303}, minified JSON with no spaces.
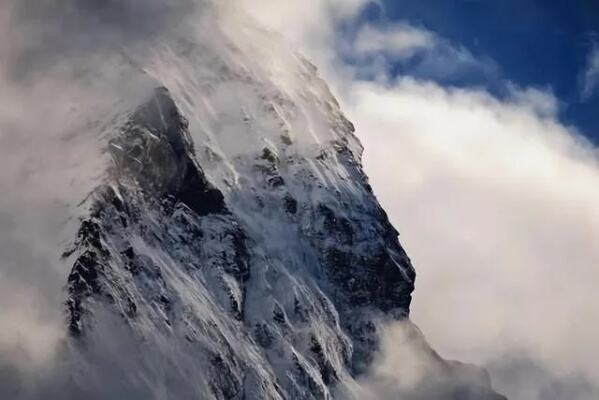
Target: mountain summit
{"x":235,"y":249}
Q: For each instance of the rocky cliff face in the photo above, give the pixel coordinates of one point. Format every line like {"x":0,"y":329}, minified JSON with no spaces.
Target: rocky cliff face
{"x":236,"y":242}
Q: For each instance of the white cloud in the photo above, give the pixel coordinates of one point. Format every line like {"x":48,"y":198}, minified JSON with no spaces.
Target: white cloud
{"x":590,"y":76}
{"x":498,"y":209}
{"x":543,"y":102}
{"x":398,"y":41}
{"x":423,"y":54}
{"x":307,"y":25}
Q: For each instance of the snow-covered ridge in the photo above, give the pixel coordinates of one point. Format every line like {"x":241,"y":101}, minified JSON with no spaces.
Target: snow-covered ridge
{"x":236,"y":242}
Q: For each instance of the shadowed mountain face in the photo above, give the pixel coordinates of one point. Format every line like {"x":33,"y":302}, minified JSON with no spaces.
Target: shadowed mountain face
{"x":236,"y":246}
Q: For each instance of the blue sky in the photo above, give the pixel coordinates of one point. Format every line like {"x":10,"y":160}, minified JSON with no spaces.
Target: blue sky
{"x":546,"y":45}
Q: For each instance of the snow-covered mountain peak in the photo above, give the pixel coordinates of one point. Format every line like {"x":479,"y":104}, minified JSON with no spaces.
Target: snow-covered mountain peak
{"x":235,"y":247}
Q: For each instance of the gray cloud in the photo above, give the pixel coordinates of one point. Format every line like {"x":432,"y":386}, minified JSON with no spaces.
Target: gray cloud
{"x":65,"y":82}
{"x":46,"y":32}
{"x":407,"y":368}
{"x":69,"y":73}
{"x":529,"y":380}
{"x":381,"y":48}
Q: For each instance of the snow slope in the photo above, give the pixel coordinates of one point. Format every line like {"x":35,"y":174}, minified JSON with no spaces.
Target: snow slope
{"x":235,"y":249}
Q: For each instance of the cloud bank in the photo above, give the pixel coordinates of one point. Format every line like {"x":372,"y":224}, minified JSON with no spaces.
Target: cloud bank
{"x":498,"y":210}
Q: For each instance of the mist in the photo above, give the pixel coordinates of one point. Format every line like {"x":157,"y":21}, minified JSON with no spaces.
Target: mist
{"x":66,"y":81}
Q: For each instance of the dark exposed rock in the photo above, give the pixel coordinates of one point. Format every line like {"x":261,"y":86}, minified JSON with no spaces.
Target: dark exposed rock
{"x":264,"y":335}
{"x":290,"y":204}
{"x":269,"y":156}
{"x":286,"y":139}
{"x":327,"y":371}
{"x":307,"y":385}
{"x":154,"y":150}
{"x":224,"y":385}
